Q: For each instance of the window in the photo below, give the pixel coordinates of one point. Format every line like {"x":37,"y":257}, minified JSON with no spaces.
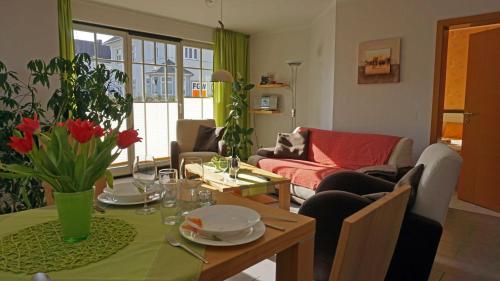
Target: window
{"x":197,"y":88}
{"x":155,"y":103}
{"x":104,"y":49}
{"x":162,"y":90}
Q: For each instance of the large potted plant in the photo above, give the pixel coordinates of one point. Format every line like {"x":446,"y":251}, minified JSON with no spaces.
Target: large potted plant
{"x":237,"y":135}
{"x":70,"y":156}
{"x":17,"y":99}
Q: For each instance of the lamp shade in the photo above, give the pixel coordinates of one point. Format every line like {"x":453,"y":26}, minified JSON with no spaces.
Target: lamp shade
{"x":222,"y":76}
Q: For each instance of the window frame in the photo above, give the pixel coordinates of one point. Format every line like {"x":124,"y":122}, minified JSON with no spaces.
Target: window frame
{"x":125,"y":168}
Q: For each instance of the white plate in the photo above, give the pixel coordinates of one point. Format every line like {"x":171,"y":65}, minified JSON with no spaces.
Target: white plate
{"x":253,"y":234}
{"x":127,"y":192}
{"x":106,"y":198}
{"x":224,"y":218}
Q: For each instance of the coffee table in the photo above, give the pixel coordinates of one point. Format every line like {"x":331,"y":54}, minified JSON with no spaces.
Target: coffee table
{"x":251,"y":181}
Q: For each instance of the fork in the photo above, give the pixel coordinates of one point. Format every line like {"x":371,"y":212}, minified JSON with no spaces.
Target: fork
{"x":172,"y":241}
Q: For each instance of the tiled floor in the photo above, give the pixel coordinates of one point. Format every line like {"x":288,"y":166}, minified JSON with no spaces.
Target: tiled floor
{"x":469,"y":248}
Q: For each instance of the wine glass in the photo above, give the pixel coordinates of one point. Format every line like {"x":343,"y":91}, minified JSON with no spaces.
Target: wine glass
{"x":234,"y":167}
{"x":144,"y":173}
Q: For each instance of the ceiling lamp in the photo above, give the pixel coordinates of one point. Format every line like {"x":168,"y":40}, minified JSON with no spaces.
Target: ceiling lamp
{"x":221,"y":75}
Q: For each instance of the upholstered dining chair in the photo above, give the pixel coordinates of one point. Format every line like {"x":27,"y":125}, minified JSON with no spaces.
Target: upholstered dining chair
{"x":432,"y":180}
{"x":187,"y":132}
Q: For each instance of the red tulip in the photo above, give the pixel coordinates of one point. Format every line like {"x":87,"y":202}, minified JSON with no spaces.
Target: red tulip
{"x":60,"y":124}
{"x":22,"y":145}
{"x":98,"y":131}
{"x":29,"y":126}
{"x":127,"y":138}
{"x":82,"y":131}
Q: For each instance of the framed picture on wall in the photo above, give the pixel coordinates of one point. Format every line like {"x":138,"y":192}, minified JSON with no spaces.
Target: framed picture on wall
{"x":379,"y":61}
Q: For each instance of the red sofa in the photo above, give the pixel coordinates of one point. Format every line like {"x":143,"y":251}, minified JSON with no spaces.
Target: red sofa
{"x":332,"y":151}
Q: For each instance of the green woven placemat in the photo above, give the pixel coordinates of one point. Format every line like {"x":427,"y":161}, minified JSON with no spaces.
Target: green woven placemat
{"x":40,"y":248}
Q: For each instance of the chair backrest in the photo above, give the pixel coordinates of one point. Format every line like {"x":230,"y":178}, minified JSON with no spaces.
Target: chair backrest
{"x":187,"y":130}
{"x":368,"y":239}
{"x":438,"y":181}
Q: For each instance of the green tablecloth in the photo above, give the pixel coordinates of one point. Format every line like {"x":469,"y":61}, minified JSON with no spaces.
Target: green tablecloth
{"x":148,"y":257}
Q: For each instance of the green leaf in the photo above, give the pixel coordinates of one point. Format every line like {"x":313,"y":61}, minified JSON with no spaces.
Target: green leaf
{"x":109,"y":178}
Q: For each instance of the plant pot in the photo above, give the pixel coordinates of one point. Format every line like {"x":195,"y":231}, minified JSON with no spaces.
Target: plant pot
{"x":75,"y":212}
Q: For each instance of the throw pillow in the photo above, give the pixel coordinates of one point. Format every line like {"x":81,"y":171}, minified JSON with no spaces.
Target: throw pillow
{"x":411,"y":178}
{"x":208,"y":138}
{"x":292,"y":145}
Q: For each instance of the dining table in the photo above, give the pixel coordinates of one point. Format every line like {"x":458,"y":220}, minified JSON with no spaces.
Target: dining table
{"x":150,"y":258}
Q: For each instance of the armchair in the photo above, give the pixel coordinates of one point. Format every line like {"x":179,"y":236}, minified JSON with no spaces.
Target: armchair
{"x":187,"y":131}
{"x":341,"y":194}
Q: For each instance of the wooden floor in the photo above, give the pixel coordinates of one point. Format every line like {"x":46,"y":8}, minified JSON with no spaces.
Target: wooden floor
{"x":469,"y":249}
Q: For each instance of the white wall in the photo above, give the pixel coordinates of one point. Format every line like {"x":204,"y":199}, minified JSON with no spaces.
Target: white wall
{"x":122,"y":18}
{"x":403,"y":108}
{"x":268,"y":53}
{"x":314,"y":46}
{"x":30,"y":31}
{"x":321,"y":72}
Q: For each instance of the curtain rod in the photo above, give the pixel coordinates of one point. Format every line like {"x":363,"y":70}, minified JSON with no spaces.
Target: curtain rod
{"x":132,"y":32}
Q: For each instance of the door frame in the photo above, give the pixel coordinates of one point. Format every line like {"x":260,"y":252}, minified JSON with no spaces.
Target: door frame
{"x":443,"y":26}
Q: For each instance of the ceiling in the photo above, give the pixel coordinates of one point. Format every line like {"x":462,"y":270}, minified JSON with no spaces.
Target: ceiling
{"x":248,"y":16}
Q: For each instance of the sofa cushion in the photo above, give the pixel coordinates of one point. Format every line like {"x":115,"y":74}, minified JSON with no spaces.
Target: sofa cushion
{"x":292,"y":145}
{"x":208,"y":138}
{"x":300,"y":172}
{"x":349,"y":150}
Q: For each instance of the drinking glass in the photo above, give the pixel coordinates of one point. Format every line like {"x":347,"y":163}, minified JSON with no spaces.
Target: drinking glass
{"x":169,"y":182}
{"x":223,"y":165}
{"x":144,"y":173}
{"x":188,"y":195}
{"x":193,"y":173}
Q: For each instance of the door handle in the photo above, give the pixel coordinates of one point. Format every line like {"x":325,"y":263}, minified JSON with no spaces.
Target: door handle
{"x":467,"y":116}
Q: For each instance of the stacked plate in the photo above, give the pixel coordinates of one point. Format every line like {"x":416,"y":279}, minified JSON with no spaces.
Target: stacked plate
{"x":128,"y":194}
{"x":222,"y":225}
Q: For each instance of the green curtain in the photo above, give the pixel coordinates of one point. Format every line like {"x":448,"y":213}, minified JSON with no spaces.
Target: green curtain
{"x":233,"y":58}
{"x":66,"y":44}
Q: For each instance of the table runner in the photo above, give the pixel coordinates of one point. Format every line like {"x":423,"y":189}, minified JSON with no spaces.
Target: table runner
{"x":148,"y":257}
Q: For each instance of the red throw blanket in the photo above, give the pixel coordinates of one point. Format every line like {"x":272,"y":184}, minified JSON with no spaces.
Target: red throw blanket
{"x":349,"y":150}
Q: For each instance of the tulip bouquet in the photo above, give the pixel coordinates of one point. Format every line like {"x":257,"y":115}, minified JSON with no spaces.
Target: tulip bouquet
{"x":70,"y":156}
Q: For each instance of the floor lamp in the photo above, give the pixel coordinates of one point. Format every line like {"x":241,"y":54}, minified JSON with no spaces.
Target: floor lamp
{"x":294,"y":66}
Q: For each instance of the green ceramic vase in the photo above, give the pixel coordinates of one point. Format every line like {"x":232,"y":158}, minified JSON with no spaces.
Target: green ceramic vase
{"x":75,"y":212}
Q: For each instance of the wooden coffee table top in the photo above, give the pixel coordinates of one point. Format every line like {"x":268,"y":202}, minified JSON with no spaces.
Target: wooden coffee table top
{"x":250,"y":177}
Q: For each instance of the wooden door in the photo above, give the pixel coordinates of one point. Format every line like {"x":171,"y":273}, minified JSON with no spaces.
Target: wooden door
{"x":480,"y":181}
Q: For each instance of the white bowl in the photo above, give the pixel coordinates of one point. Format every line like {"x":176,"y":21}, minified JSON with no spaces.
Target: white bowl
{"x":223,"y":219}
{"x":127,"y":193}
